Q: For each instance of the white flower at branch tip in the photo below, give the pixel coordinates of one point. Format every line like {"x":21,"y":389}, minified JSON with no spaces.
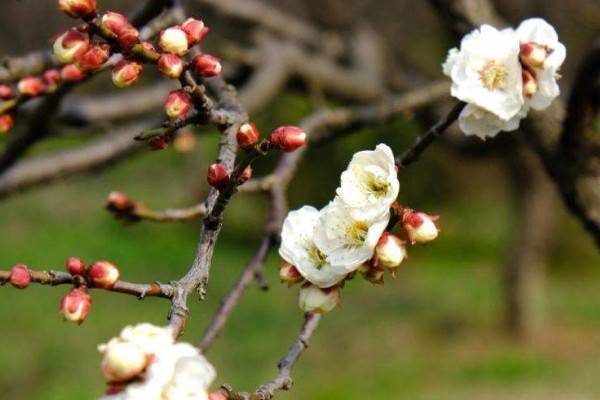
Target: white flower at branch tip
{"x":316,"y":300}
{"x":478,"y":122}
{"x":299,"y":249}
{"x":347,"y":241}
{"x":544,"y":55}
{"x":486,"y":72}
{"x":370,"y":184}
{"x":148,"y":337}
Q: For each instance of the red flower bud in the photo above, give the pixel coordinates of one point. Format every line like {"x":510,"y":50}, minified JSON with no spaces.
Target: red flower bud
{"x":52,"y":77}
{"x":419,"y":227}
{"x":70,"y":45}
{"x":245,"y":175}
{"x":6,"y":123}
{"x":289,"y":274}
{"x":71,"y":73}
{"x":533,"y":55}
{"x":217,"y":396}
{"x":128,"y":36}
{"x":126,"y":73}
{"x":149,"y":50}
{"x":30,"y":86}
{"x":20,"y":277}
{"x":112,"y":21}
{"x":159,"y":143}
{"x":194,"y":30}
{"x":247,"y":135}
{"x":118,"y":201}
{"x":217,"y":176}
{"x":104,"y":274}
{"x":75,"y":305}
{"x":170,"y":65}
{"x":178,"y":104}
{"x":173,"y":40}
{"x":288,"y":138}
{"x":95,"y":57}
{"x":6,"y":92}
{"x":75,"y":266}
{"x":206,"y":65}
{"x":78,"y":8}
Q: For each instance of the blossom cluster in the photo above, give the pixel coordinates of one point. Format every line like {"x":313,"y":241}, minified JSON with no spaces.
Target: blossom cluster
{"x":145,"y":363}
{"x":323,"y":248}
{"x":502,"y":74}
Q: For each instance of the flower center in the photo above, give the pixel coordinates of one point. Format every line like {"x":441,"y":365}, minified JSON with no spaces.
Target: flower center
{"x":357,"y":234}
{"x":493,"y":75}
{"x":373,"y":183}
{"x":317,"y":256}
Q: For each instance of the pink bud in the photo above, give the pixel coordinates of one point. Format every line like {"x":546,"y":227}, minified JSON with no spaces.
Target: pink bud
{"x":178,"y":104}
{"x":530,"y":86}
{"x":247,"y":136}
{"x":30,"y":86}
{"x":70,"y":45}
{"x":6,"y":123}
{"x":245,"y":175}
{"x":104,"y":274}
{"x":75,"y":305}
{"x":173,"y":40}
{"x":126,"y":73}
{"x":288,"y":138}
{"x":52,"y":77}
{"x":149,"y":51}
{"x":95,"y":57}
{"x":20,"y":277}
{"x":533,"y":54}
{"x":112,"y":21}
{"x":75,"y":266}
{"x":390,"y":251}
{"x":194,"y":30}
{"x":206,"y":65}
{"x":217,"y":396}
{"x":128,"y":36}
{"x":316,"y":300}
{"x":170,"y":65}
{"x":217,"y":176}
{"x":78,"y":8}
{"x":419,"y":227}
{"x":289,"y":274}
{"x":71,"y":73}
{"x":118,"y":201}
{"x":6,"y":92}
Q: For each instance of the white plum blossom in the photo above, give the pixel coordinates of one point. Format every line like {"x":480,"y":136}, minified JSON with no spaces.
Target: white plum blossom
{"x":544,"y":54}
{"x":486,"y":71}
{"x":476,"y":121}
{"x":347,"y":241}
{"x":298,"y":248}
{"x":370,"y":183}
{"x":316,"y":300}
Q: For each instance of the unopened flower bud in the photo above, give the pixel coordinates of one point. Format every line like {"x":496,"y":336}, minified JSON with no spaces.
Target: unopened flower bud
{"x":104,"y":274}
{"x":419,"y":227}
{"x":75,"y":305}
{"x":118,"y":201}
{"x":112,"y":22}
{"x":20,"y":277}
{"x":126,"y":73}
{"x":316,"y":300}
{"x":122,"y":360}
{"x":78,"y":8}
{"x":194,"y":30}
{"x":170,"y":65}
{"x":217,"y":396}
{"x":217,"y":176}
{"x":247,"y":135}
{"x":95,"y":57}
{"x":529,"y":83}
{"x":6,"y":92}
{"x":206,"y":65}
{"x":71,"y":73}
{"x":247,"y":174}
{"x":52,"y":77}
{"x":30,"y":86}
{"x":128,"y":36}
{"x":6,"y":123}
{"x":289,"y":274}
{"x":288,"y":138}
{"x":390,"y":251}
{"x":173,"y":40}
{"x":75,"y":266}
{"x":533,"y":55}
{"x":70,"y":45}
{"x":159,"y":142}
{"x":149,"y":51}
{"x":178,"y":104}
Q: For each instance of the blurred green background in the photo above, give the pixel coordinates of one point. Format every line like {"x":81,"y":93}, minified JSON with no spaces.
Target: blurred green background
{"x":436,"y":332}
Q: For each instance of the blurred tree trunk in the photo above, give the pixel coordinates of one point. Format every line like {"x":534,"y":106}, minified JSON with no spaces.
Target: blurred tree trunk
{"x":524,"y":270}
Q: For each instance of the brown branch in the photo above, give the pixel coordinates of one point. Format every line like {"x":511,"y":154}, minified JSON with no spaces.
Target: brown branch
{"x":283,"y":380}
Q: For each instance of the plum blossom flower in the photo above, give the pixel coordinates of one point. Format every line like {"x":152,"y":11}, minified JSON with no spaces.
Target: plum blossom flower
{"x":298,"y":248}
{"x":370,"y":183}
{"x":479,"y":122}
{"x":486,"y":71}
